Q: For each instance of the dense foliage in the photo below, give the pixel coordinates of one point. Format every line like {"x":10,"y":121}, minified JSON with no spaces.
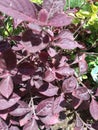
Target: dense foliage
{"x":48,"y":64}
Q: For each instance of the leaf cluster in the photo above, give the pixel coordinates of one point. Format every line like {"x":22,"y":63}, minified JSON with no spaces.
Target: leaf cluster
{"x":43,"y":64}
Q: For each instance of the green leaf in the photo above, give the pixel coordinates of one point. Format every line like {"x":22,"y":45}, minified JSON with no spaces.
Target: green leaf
{"x":94,"y":74}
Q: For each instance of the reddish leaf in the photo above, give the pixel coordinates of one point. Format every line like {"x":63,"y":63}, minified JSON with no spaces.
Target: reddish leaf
{"x":22,"y":10}
{"x":2,"y":63}
{"x":60,"y":20}
{"x":10,"y":59}
{"x":26,"y":68}
{"x":53,"y":6}
{"x":94,"y":109}
{"x":69,"y":84}
{"x":5,"y":104}
{"x":43,"y":15}
{"x":6,"y":87}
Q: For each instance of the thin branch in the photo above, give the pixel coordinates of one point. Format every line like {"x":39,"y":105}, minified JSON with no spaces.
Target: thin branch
{"x":24,"y":58}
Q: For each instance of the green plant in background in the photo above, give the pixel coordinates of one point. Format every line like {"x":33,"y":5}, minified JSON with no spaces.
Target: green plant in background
{"x":94,"y":74}
{"x":37,"y":1}
{"x":74,"y":3}
{"x":88,"y":15}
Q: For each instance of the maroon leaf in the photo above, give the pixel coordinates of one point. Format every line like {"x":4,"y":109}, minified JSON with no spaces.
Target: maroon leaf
{"x":69,"y":84}
{"x":31,"y":125}
{"x":43,"y":15}
{"x":2,"y":63}
{"x":48,"y":90}
{"x":10,"y":59}
{"x":22,"y":10}
{"x":4,"y":45}
{"x":26,"y":68}
{"x":53,"y":6}
{"x":6,"y":87}
{"x":94,"y":109}
{"x":81,"y":93}
{"x":59,"y":20}
{"x":44,"y":108}
{"x":5,"y":104}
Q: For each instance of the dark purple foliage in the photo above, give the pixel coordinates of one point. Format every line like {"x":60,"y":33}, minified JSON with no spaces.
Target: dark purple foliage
{"x":38,"y":79}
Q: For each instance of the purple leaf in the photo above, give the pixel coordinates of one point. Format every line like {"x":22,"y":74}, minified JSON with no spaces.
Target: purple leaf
{"x":26,"y":68}
{"x":66,"y":41}
{"x":22,"y":10}
{"x":49,"y":75}
{"x":13,"y":128}
{"x":4,"y":45}
{"x":69,"y":84}
{"x":48,"y":90}
{"x":78,"y":122}
{"x":81,"y":93}
{"x":53,"y":6}
{"x":52,"y":52}
{"x":43,"y":15}
{"x":3,"y":125}
{"x":5,"y":104}
{"x":31,"y":125}
{"x":94,"y":109}
{"x":10,"y":59}
{"x":33,"y":48}
{"x":82,"y":64}
{"x":2,"y":63}
{"x":58,"y":104}
{"x":6,"y":87}
{"x":44,"y":108}
{"x":59,"y":20}
{"x":25,"y":119}
{"x":50,"y":119}
{"x":65,"y":71}
{"x":21,"y":110}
